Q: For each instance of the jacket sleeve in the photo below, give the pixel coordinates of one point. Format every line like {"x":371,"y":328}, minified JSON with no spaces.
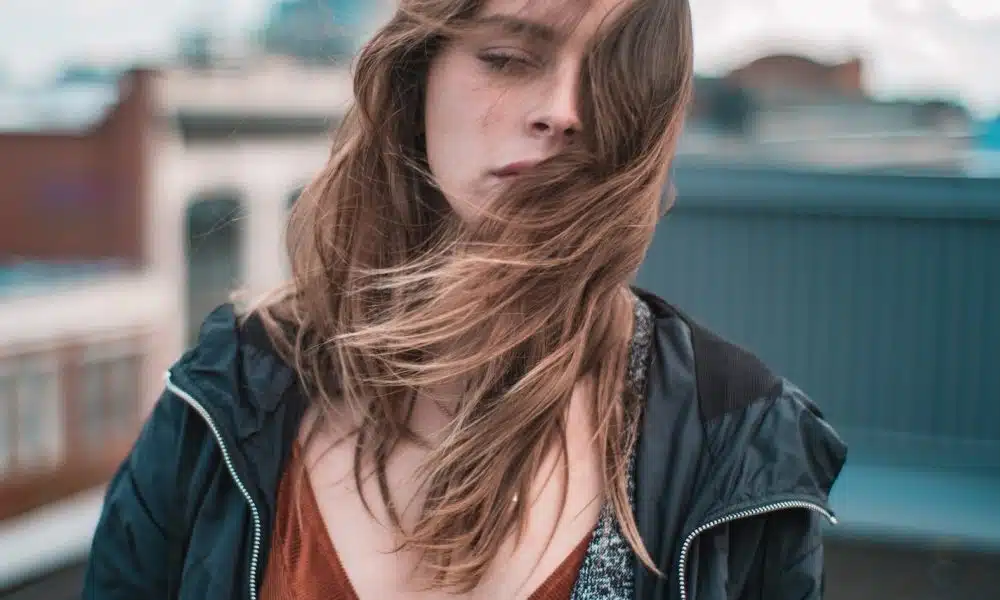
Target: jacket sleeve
{"x":135,"y":548}
{"x":792,"y":556}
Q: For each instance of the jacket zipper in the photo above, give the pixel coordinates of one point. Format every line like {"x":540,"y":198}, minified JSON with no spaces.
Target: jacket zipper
{"x":736,"y":516}
{"x":227,"y":459}
{"x":255,"y":513}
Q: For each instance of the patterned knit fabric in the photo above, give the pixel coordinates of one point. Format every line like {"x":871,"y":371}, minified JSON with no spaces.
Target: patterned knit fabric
{"x":607,"y":570}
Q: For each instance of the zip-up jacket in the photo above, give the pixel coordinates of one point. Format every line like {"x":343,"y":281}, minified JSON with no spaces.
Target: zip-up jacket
{"x":732,"y":473}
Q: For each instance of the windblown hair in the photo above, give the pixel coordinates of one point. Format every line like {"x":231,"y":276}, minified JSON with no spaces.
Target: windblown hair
{"x":391,"y":295}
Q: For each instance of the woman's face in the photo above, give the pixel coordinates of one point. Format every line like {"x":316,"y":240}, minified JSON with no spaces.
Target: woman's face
{"x":505,"y":96}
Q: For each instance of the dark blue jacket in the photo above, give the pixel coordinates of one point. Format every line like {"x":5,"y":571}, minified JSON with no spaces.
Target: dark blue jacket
{"x":733,"y":472}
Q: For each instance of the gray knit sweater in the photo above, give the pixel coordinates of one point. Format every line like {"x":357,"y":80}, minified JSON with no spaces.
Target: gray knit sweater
{"x":606,"y":572}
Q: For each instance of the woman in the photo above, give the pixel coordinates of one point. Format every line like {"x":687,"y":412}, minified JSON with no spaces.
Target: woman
{"x":459,"y":395}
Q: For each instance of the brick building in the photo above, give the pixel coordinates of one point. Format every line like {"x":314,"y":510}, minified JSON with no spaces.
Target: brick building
{"x":78,"y":312}
{"x":71,"y":194}
{"x":786,"y":74}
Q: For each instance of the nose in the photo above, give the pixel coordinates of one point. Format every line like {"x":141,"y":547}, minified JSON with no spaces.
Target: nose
{"x":557,"y":116}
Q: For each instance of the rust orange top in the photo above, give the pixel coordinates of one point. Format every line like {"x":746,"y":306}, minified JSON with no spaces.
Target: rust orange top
{"x":303,"y":563}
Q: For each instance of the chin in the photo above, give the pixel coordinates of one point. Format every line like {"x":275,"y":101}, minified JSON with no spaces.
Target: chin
{"x":470,"y":210}
{"x":468,"y":214}
{"x":465,"y":211}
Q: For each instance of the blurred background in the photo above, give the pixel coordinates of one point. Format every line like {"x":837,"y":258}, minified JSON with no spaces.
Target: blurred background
{"x":838,"y":213}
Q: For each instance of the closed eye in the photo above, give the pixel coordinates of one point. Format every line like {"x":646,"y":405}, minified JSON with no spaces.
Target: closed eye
{"x":505,"y":61}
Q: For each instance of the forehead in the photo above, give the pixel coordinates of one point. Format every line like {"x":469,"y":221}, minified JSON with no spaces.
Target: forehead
{"x":574,"y":22}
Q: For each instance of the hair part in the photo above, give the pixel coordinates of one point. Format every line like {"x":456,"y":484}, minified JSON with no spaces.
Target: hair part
{"x":390,"y":296}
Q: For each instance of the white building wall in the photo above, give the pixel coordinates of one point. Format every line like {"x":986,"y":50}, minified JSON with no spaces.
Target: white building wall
{"x":263,"y":173}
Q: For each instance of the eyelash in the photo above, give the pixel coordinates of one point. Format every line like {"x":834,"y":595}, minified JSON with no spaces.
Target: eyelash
{"x":501,"y":61}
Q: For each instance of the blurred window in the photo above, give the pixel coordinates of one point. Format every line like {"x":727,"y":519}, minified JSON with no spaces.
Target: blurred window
{"x":38,"y":424}
{"x":125,"y":375}
{"x":91,"y":405}
{"x":110,"y":393}
{"x":7,"y":399}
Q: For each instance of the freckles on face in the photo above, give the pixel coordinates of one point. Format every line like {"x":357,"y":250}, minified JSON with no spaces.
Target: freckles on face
{"x":464,"y":118}
{"x":505,"y":95}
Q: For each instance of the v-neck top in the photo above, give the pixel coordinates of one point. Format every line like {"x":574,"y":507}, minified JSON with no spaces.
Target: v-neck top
{"x":303,"y":563}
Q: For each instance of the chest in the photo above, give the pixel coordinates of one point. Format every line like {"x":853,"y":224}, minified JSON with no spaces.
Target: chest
{"x":561,"y":515}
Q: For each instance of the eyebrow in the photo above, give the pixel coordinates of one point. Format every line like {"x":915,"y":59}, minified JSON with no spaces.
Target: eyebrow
{"x":519,"y":26}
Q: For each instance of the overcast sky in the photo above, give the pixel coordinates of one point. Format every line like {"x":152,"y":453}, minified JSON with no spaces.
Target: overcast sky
{"x":945,"y":48}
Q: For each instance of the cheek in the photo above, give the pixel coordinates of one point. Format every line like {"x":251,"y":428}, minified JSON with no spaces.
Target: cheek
{"x":462,"y":98}
{"x":440,"y":88}
{"x":443,"y":114}
{"x":493,"y":113}
{"x":462,"y":116}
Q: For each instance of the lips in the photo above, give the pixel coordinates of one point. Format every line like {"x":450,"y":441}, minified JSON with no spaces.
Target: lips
{"x":515,"y":168}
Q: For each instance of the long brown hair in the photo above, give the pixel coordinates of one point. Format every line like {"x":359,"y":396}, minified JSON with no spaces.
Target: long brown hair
{"x":391,"y":295}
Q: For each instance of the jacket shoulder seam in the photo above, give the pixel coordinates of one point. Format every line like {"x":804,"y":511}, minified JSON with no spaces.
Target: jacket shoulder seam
{"x":728,"y":376}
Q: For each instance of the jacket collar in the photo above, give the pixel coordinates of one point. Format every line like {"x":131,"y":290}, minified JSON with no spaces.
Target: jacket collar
{"x":770,"y":447}
{"x":233,"y":373}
